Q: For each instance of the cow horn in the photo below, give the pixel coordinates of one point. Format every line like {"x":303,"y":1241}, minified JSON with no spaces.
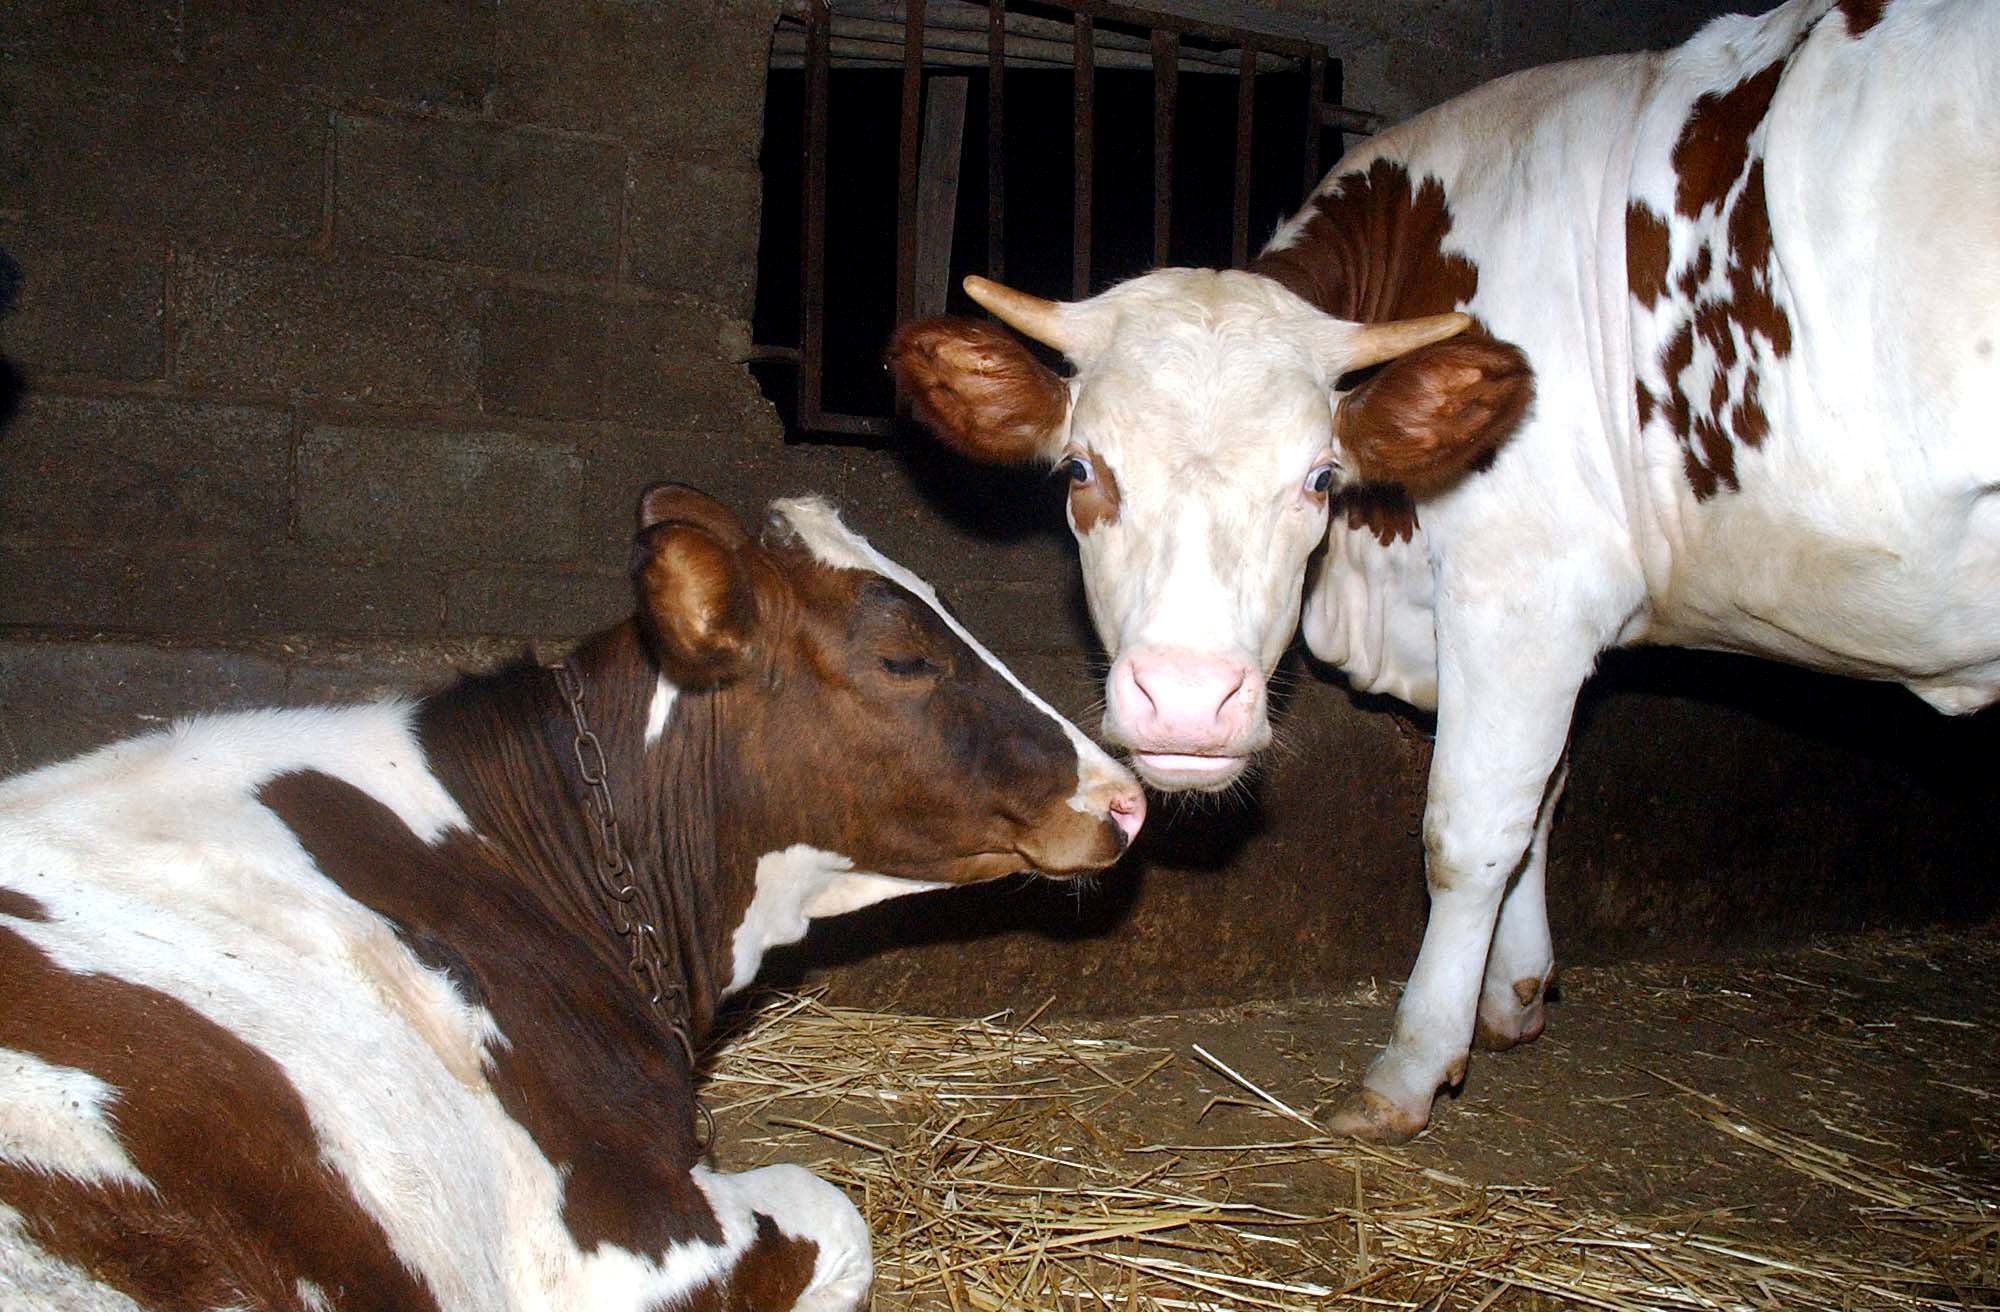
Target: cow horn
{"x":1037,"y":317}
{"x":1370,"y":344}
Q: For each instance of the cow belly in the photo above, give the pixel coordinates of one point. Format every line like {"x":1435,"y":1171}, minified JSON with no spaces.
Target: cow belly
{"x":1912,"y":596}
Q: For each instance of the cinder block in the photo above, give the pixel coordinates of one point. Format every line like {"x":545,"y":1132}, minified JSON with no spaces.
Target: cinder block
{"x":120,"y":470}
{"x":53,"y":588}
{"x":1399,"y":79}
{"x":60,"y":699}
{"x":96,"y":30}
{"x":141,"y":588}
{"x":514,"y":602}
{"x":450,"y":497}
{"x":151,"y":152}
{"x":91,"y":302}
{"x":945,"y":518}
{"x":620,"y":460}
{"x":669,"y":367}
{"x":439,"y":53}
{"x":363,"y":670}
{"x":286,"y":326}
{"x":692,"y":227}
{"x":485,"y":195}
{"x":1529,"y":32}
{"x":687,"y":75}
{"x":541,"y":355}
{"x":1600,"y":27}
{"x":390,"y":596}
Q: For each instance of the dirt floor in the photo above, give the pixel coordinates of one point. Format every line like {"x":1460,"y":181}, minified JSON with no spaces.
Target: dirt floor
{"x":1814,"y":1128}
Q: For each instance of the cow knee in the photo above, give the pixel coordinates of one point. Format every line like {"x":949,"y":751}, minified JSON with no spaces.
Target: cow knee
{"x":806,"y":1207}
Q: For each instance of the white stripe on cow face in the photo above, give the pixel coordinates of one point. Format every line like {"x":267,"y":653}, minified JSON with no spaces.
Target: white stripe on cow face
{"x":816,"y":523}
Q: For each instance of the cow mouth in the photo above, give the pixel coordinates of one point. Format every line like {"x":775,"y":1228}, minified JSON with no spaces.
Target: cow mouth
{"x":1188,"y":772}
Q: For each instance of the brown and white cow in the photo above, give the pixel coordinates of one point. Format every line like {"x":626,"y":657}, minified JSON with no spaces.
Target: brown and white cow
{"x":1734,"y":385}
{"x":331,"y":1007}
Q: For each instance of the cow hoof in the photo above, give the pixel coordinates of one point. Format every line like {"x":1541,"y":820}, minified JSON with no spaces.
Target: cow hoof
{"x":1372,"y":1117}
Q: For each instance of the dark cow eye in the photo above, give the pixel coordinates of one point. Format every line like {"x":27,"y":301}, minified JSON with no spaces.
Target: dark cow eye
{"x":909,"y":665}
{"x":1077,"y":467}
{"x":1321,"y":478}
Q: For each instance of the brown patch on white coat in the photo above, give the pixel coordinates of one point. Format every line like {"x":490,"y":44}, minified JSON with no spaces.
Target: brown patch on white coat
{"x":1715,"y":403}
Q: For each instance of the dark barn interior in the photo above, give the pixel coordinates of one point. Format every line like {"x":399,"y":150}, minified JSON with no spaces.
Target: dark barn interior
{"x":346,"y":332}
{"x":344,"y":338}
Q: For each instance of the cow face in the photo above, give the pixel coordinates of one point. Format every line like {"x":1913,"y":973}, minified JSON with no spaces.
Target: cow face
{"x":868,"y":729}
{"x":1203,"y":435}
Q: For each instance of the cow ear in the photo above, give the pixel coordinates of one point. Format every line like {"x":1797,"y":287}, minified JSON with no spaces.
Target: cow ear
{"x":1427,"y":416}
{"x":980,"y":390}
{"x":691,"y":571}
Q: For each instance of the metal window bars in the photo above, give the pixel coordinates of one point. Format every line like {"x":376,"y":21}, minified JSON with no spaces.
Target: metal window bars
{"x":967,"y":34}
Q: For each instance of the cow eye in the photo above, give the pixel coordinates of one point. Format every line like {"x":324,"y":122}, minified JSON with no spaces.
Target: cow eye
{"x":1077,"y":467}
{"x":907,"y":664}
{"x":1320,"y":479}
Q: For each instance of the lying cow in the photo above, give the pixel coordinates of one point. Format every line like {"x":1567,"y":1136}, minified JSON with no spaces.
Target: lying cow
{"x":390,"y":1006}
{"x":1735,"y":389}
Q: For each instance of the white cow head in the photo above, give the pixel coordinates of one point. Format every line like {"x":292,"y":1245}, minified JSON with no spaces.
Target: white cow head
{"x":1204,"y":435}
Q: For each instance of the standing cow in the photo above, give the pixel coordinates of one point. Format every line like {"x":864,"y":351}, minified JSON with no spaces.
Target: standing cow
{"x":1732,"y":383}
{"x":392,"y":1006}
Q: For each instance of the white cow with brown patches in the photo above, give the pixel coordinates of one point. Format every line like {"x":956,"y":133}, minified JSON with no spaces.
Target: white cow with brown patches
{"x":389,"y":1007}
{"x":1732,"y":385}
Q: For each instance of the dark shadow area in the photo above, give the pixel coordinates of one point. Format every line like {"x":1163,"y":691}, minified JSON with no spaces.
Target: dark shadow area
{"x":13,"y":384}
{"x":1721,"y":801}
{"x":1005,"y":504}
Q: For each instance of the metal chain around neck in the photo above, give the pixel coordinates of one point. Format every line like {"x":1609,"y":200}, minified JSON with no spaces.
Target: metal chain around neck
{"x":616,"y":877}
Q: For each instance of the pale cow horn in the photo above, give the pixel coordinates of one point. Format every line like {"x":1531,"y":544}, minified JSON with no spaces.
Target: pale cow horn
{"x":1369,"y":344}
{"x":1037,"y":317}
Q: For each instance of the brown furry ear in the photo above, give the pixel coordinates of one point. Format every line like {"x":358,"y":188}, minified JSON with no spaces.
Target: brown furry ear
{"x":1428,"y":416}
{"x":979,"y":389}
{"x":693,"y":581}
{"x":672,"y":501}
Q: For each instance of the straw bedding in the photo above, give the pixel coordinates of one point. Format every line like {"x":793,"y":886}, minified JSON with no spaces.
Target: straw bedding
{"x":1810,"y":1132}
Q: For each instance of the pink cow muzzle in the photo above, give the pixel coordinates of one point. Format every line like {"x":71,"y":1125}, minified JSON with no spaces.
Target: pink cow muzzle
{"x":1192,"y":720}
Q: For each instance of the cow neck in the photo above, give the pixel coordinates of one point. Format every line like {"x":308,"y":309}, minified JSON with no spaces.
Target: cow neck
{"x":507,"y":748}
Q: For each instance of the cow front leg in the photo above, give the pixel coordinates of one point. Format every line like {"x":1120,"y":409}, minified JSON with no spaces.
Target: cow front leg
{"x":1505,"y":697}
{"x":1521,"y":967}
{"x":793,"y":1242}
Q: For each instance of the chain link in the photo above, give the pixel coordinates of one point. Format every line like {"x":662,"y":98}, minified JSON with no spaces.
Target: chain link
{"x":616,"y":876}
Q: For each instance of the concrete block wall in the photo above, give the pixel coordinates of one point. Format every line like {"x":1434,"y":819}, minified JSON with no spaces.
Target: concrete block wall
{"x":365,"y":318}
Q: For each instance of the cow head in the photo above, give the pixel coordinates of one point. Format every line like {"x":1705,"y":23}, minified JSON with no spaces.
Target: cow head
{"x":866,"y":727}
{"x":1204,"y":434}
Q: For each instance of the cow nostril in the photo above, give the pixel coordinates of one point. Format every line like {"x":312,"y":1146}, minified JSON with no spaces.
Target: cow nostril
{"x":1133,"y":680}
{"x":1128,"y":813}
